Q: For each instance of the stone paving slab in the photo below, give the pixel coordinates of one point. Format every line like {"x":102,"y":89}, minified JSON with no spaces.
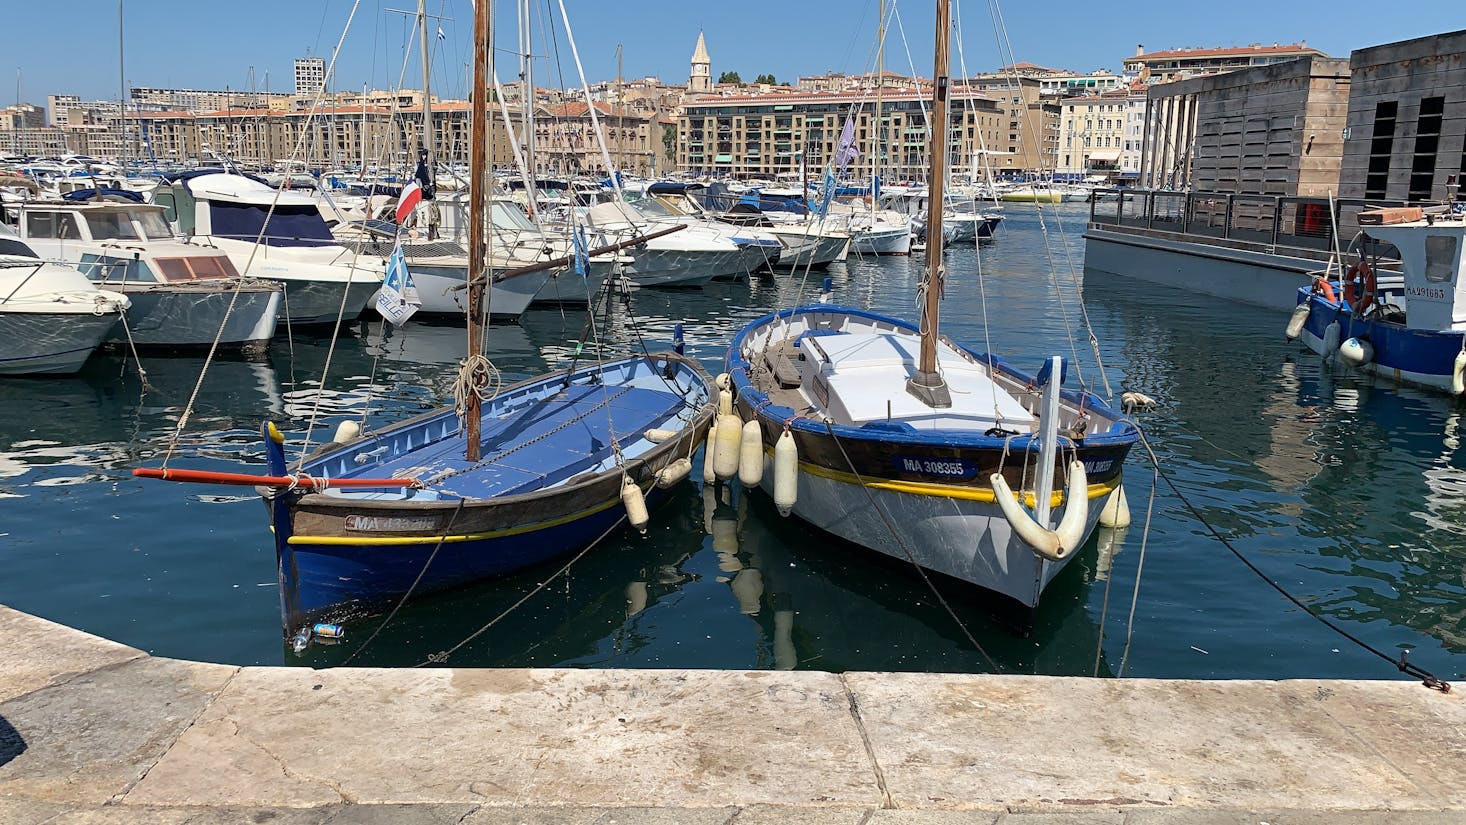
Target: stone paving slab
{"x":91,"y":738}
{"x":430,"y":814}
{"x":36,"y":653}
{"x":945,"y":740}
{"x":518,"y":737}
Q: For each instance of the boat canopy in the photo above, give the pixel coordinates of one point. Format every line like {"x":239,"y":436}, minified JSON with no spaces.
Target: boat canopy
{"x":103,"y":192}
{"x":287,"y":225}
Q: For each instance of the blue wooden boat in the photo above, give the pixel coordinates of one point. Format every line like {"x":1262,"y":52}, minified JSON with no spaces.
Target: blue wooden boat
{"x":1407,"y":325}
{"x":555,"y":453}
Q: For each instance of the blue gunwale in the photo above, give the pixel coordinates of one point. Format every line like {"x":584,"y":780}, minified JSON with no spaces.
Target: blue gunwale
{"x":1121,"y":434}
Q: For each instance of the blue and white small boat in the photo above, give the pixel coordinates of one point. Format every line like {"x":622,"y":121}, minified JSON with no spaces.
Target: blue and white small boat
{"x":1408,"y":326}
{"x":557,"y":452}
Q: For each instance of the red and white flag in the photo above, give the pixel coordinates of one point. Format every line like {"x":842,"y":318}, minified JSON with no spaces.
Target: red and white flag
{"x":411,"y":195}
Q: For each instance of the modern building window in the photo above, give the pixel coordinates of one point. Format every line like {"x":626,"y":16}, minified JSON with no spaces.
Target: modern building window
{"x":1381,"y":147}
{"x":1427,"y":141}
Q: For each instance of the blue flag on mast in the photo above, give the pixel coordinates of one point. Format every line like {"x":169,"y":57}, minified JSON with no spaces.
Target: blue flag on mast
{"x":397,"y":300}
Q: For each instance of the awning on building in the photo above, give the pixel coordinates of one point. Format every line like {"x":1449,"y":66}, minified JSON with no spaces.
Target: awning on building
{"x":1105,"y":154}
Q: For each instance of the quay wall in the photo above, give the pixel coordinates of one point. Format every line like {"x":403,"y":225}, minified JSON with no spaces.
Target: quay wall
{"x":95,"y":731}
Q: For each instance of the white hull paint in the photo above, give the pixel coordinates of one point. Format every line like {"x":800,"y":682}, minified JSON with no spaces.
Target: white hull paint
{"x":968,"y":540}
{"x":165,"y":316}
{"x":681,"y":267}
{"x":507,"y":299}
{"x":50,"y":343}
{"x":895,"y":241}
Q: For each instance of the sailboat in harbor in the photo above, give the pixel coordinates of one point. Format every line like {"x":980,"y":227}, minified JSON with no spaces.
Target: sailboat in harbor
{"x":890,"y":435}
{"x":498,"y":481}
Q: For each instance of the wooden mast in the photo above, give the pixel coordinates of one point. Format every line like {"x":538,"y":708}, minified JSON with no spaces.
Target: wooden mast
{"x":927,"y":384}
{"x":478,"y":183}
{"x":428,"y":135}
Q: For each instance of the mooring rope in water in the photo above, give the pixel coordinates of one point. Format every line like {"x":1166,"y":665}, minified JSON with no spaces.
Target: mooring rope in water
{"x":1402,"y":664}
{"x":443,"y":537}
{"x":896,"y":534}
{"x":442,"y":656}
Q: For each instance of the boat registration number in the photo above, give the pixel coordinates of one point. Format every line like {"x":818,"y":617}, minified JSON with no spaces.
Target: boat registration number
{"x":941,"y":467}
{"x":390,"y":524}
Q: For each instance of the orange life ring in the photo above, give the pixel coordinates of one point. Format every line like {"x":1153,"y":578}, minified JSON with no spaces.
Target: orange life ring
{"x":1360,"y":287}
{"x":1323,"y":287}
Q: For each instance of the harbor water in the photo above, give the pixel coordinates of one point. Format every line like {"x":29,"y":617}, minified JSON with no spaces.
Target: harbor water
{"x":1345,"y":490}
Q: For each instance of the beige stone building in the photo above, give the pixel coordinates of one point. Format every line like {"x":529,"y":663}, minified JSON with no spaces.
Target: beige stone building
{"x":1272,"y":130}
{"x":1028,"y":140}
{"x":763,"y":136}
{"x":1169,"y":65}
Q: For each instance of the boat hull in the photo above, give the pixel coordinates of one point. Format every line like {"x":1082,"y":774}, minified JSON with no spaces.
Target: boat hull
{"x":1422,"y":358}
{"x":50,"y":343}
{"x":508,"y":298}
{"x":192,"y":316}
{"x":895,"y":241}
{"x":925,"y":496}
{"x":683,"y":268}
{"x":342,"y":554}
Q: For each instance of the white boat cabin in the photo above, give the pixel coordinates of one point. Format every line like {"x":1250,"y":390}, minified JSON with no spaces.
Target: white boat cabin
{"x":117,"y":241}
{"x":1431,"y":254}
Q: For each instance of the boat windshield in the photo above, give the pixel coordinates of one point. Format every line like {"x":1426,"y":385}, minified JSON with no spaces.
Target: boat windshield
{"x":290,"y":225}
{"x":509,"y":216}
{"x":153,"y":226}
{"x":653,"y":209}
{"x":16,"y":247}
{"x":111,"y":226}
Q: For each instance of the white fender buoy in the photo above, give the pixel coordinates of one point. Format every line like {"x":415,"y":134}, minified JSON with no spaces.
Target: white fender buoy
{"x":1136,"y":402}
{"x":1458,"y":374}
{"x":709,"y":506}
{"x":346,"y":431}
{"x":725,"y":454}
{"x":1299,"y":318}
{"x":635,"y":505}
{"x":1356,"y":352}
{"x":1330,"y":340}
{"x":751,"y":455}
{"x":748,"y":589}
{"x":785,"y":656}
{"x":725,"y":402}
{"x":710,"y":449}
{"x":723,"y":381}
{"x":1058,"y":543}
{"x":674,"y":473}
{"x":658,"y":436}
{"x":786,"y":473}
{"x":1116,"y":512}
{"x":636,"y":598}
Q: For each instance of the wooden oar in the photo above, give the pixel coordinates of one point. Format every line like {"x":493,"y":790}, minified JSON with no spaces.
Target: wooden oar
{"x":248,"y":480}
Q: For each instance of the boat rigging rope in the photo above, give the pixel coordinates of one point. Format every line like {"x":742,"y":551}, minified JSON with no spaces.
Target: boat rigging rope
{"x":1402,"y":664}
{"x":305,"y":131}
{"x":443,"y":537}
{"x":896,"y":534}
{"x":442,"y":656}
{"x":1135,"y":592}
{"x":477,"y":377}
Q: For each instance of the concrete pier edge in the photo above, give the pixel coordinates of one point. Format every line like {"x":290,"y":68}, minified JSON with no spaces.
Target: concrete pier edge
{"x":92,"y":731}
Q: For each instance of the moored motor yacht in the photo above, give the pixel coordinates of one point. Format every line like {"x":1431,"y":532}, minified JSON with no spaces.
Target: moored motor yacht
{"x":51,"y":317}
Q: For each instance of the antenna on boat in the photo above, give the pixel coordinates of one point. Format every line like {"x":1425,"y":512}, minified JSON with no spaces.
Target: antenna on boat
{"x":927,"y":385}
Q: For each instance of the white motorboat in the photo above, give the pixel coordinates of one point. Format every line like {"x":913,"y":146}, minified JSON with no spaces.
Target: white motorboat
{"x":181,"y":295}
{"x":51,"y":317}
{"x":689,"y":257}
{"x":276,"y":235}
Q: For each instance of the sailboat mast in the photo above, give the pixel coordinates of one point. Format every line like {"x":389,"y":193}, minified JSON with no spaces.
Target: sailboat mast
{"x":526,"y":76}
{"x":427,"y":97}
{"x":121,"y":89}
{"x":478,"y":190}
{"x":927,"y":384}
{"x":875,"y":127}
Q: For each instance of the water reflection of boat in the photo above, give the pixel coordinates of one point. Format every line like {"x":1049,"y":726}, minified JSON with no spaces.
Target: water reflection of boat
{"x":723,"y":583}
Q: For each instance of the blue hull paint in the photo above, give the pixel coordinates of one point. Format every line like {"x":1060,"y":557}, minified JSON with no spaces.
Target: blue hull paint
{"x":1412,"y":356}
{"x":334,"y":580}
{"x":548,"y":487}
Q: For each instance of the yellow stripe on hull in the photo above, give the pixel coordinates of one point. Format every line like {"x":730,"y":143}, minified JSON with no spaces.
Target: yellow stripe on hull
{"x":921,"y":488}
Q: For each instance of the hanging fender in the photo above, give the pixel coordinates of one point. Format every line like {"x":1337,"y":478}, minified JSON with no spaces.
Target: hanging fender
{"x":1056,"y":544}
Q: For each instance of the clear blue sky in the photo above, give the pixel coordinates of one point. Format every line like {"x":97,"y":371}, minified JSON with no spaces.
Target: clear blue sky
{"x":204,"y":44}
